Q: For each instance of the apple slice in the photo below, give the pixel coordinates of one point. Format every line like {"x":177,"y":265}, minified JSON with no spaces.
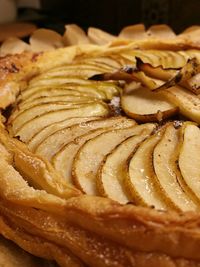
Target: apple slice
{"x":108,"y":61}
{"x":63,"y":159}
{"x":99,"y":37}
{"x":54,"y":81}
{"x":98,"y":89}
{"x":80,"y":66}
{"x":18,"y":119}
{"x":168,"y":177}
{"x":35,"y":82}
{"x":188,"y":103}
{"x":111,"y":174}
{"x":189,"y":158}
{"x":81,"y":73}
{"x":139,"y":179}
{"x":52,"y":99}
{"x":87,"y":110}
{"x":38,"y":109}
{"x":41,"y":92}
{"x":165,"y":59}
{"x":33,"y":140}
{"x":81,"y":89}
{"x":53,"y":143}
{"x":144,"y":105}
{"x":90,"y":156}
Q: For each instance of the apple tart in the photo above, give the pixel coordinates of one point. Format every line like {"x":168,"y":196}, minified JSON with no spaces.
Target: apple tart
{"x":100,"y":149}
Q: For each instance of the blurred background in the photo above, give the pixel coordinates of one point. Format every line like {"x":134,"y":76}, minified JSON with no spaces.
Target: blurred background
{"x":109,"y":15}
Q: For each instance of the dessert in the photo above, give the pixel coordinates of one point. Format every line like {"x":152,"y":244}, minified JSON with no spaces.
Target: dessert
{"x":86,"y":181}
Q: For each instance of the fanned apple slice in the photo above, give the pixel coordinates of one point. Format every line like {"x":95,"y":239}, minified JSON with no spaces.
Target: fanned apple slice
{"x":99,"y":37}
{"x":91,"y":154}
{"x":61,"y":91}
{"x":52,"y":144}
{"x":155,"y":72}
{"x":33,"y":140}
{"x":74,"y":88}
{"x":35,"y":82}
{"x":102,"y":64}
{"x":106,"y":60}
{"x":139,"y":179}
{"x":105,"y":89}
{"x":133,"y":32}
{"x":189,"y":158}
{"x":144,"y":105}
{"x":63,"y":159}
{"x":53,"y":99}
{"x":188,"y":103}
{"x":145,"y":56}
{"x":38,"y":109}
{"x":171,"y":58}
{"x":99,"y":109}
{"x":165,"y":59}
{"x":74,"y":35}
{"x":81,"y":73}
{"x":183,"y":77}
{"x":168,"y":177}
{"x":36,"y":124}
{"x":64,"y":70}
{"x":52,"y":81}
{"x":18,"y":118}
{"x":111,"y":174}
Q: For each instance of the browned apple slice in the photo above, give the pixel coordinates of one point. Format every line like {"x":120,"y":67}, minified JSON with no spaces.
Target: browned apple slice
{"x":91,"y":154}
{"x":155,"y":72}
{"x":52,"y":144}
{"x":189,"y":158}
{"x":33,"y":126}
{"x":187,"y":72}
{"x":140,"y":175}
{"x":33,"y":139}
{"x":144,"y":105}
{"x":168,"y":177}
{"x":111,"y":174}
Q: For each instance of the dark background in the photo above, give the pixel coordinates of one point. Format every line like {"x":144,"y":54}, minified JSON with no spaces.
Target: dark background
{"x":112,"y":15}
